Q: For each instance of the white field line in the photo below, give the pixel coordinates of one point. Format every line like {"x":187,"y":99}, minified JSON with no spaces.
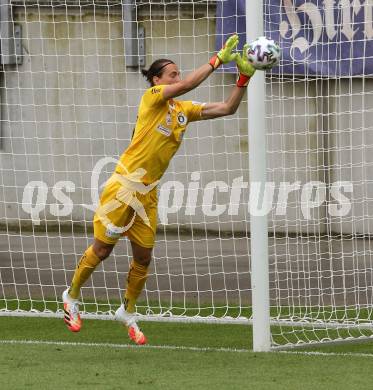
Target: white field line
{"x":177,"y":348}
{"x":124,"y":346}
{"x":317,"y":353}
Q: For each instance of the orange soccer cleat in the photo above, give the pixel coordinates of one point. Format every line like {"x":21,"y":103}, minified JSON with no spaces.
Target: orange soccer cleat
{"x":129,"y":320}
{"x":136,"y":335}
{"x":71,"y":309}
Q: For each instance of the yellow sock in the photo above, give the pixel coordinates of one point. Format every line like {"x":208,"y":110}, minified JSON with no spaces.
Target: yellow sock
{"x":136,"y":279}
{"x":83,"y":271}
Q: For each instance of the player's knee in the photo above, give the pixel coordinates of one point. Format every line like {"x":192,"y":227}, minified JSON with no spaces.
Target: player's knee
{"x":102,"y":250}
{"x":144,"y":260}
{"x":141,"y":254}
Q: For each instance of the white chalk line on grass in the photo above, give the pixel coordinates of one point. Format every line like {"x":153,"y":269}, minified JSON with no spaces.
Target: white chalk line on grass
{"x":125,"y":346}
{"x":178,"y":348}
{"x":318,"y":353}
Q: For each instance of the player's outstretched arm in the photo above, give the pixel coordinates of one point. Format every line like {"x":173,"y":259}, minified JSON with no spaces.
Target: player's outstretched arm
{"x":195,"y":78}
{"x":229,"y":107}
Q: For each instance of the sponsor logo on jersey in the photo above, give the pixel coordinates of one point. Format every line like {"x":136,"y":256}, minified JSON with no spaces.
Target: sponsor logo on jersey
{"x":164,"y":130}
{"x":156,"y":90}
{"x":181,"y":119}
{"x":168,"y":120}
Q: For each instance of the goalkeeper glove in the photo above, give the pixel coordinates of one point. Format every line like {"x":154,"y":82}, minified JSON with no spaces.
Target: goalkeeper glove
{"x":225,"y":54}
{"x":245,"y":68}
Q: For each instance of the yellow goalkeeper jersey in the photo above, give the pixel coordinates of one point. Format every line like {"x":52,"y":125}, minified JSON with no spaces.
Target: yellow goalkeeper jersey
{"x":158,"y":134}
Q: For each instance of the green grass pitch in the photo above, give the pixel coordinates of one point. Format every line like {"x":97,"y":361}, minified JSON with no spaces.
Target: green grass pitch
{"x":179,"y":356}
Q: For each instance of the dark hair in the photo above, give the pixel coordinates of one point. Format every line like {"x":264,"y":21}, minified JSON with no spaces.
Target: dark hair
{"x":156,"y":69}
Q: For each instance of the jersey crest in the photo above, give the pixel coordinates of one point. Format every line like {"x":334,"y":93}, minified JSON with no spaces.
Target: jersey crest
{"x":181,"y":119}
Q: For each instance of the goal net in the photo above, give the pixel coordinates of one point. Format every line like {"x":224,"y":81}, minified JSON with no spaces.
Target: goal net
{"x":70,"y":92}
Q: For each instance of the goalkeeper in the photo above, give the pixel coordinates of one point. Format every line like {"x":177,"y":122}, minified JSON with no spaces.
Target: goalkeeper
{"x":128,"y":204}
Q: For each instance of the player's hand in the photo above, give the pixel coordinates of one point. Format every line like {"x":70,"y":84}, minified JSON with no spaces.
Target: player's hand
{"x":244,"y":67}
{"x":225,"y":54}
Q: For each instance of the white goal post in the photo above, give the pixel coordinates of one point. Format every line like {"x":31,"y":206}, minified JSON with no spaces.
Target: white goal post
{"x":264,"y":216}
{"x":258,"y":164}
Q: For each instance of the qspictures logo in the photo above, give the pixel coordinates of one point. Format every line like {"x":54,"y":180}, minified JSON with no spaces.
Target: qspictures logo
{"x":189,"y":198}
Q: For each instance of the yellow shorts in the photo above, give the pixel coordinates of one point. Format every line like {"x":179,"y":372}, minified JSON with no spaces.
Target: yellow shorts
{"x":114,"y":218}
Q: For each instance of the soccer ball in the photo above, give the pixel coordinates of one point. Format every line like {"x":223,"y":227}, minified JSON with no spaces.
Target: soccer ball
{"x":263,"y":53}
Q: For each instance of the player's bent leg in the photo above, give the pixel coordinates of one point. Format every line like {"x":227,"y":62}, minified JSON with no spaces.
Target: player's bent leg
{"x":87,"y":264}
{"x":136,"y":279}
